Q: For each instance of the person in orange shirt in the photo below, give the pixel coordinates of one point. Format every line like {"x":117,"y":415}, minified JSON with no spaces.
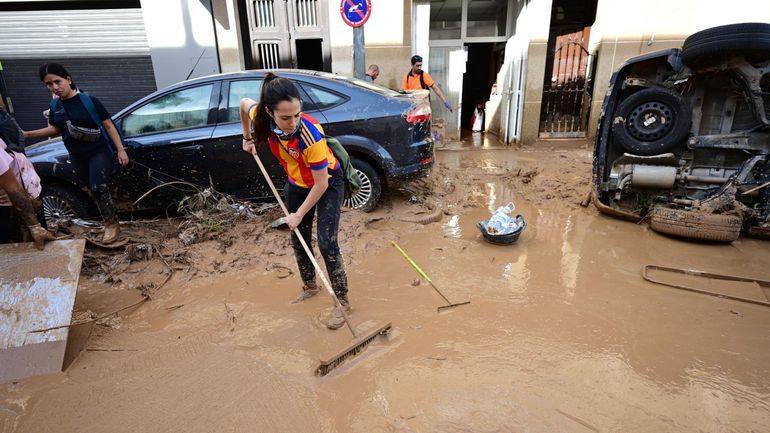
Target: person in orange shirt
{"x":418,"y":79}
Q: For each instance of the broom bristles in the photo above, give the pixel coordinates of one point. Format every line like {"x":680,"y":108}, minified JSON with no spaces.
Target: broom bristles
{"x":328,"y":365}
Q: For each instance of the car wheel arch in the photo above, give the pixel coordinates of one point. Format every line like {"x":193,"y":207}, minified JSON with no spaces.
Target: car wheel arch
{"x":83,"y":205}
{"x":46,"y":180}
{"x":365,"y":157}
{"x":366,"y":150}
{"x":368,"y":196}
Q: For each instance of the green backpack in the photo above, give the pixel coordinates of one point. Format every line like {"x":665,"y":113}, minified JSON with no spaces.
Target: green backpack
{"x":352,"y":179}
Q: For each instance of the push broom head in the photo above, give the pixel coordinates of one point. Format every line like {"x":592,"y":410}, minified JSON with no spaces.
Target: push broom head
{"x":358,"y":346}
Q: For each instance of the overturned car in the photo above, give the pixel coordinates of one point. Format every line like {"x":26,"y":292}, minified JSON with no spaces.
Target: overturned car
{"x":684,"y":137}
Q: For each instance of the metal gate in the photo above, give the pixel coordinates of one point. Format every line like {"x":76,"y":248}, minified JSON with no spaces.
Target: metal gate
{"x":567,"y":92}
{"x":276,"y":25}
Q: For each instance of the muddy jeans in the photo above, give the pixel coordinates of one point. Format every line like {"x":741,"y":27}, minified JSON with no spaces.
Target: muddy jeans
{"x":95,"y":171}
{"x":328,"y":209}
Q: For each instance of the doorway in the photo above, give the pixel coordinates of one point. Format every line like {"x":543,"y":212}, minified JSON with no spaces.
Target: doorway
{"x":272,"y":25}
{"x":310,"y":54}
{"x":484,"y":60}
{"x":567,"y":83}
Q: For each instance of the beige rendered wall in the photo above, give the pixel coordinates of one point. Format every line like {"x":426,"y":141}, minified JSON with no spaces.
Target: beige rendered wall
{"x":387,"y":37}
{"x":537,"y":16}
{"x":623,"y":30}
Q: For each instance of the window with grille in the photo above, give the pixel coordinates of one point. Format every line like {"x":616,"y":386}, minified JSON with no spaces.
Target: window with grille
{"x":306,"y":13}
{"x":268,"y":55}
{"x":264,"y":14}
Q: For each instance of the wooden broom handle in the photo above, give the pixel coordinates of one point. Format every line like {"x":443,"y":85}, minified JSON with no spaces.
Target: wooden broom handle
{"x":309,"y":253}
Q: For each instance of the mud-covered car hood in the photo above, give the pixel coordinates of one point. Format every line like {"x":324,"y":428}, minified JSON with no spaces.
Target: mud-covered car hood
{"x":51,"y":150}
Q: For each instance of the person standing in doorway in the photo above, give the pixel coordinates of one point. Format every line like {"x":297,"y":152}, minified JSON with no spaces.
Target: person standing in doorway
{"x":418,"y":79}
{"x":372,"y":73}
{"x":91,"y":139}
{"x":477,"y":122}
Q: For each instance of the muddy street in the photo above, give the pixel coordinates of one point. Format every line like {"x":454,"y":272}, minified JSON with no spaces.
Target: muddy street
{"x":562,"y":332}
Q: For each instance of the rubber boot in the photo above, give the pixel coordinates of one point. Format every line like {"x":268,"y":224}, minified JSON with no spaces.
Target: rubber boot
{"x":111,"y":232}
{"x":309,"y":289}
{"x":335,"y":319}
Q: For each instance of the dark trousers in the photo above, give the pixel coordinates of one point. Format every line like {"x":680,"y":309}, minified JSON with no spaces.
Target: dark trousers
{"x":9,"y":225}
{"x":328,"y":210}
{"x":96,"y":171}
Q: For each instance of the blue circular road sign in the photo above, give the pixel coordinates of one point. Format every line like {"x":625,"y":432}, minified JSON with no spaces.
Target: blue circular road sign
{"x":355,"y":12}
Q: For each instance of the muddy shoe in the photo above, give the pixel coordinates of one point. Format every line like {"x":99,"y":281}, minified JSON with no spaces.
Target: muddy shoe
{"x":308,"y":291}
{"x":111,"y":232}
{"x":334,"y":318}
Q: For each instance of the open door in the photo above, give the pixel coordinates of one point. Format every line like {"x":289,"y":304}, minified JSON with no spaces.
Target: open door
{"x":447,"y":66}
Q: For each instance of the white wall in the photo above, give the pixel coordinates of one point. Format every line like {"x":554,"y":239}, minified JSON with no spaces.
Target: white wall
{"x":618,"y":35}
{"x":228,"y":32}
{"x":516,"y":106}
{"x":180,"y":33}
{"x":387,"y":37}
{"x":421,"y":33}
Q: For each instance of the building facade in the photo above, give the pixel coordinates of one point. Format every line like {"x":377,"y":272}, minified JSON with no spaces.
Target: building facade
{"x":538,"y":67}
{"x":103,"y":45}
{"x":562,"y":53}
{"x":121,"y":50}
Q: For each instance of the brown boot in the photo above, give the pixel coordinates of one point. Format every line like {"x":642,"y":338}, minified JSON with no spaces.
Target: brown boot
{"x":111,"y":232}
{"x":334,"y":318}
{"x":309,"y":290}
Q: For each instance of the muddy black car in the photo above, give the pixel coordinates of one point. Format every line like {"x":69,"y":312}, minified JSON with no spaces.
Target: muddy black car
{"x":684,"y":137}
{"x":191,"y":132}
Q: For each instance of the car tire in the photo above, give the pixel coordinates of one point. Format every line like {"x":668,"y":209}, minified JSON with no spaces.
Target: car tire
{"x":696,"y":225}
{"x":367,"y":198}
{"x":751,"y":40}
{"x":671,"y":122}
{"x":65,"y":202}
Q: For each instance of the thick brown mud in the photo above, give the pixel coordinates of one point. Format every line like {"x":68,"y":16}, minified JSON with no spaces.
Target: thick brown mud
{"x":562,"y":333}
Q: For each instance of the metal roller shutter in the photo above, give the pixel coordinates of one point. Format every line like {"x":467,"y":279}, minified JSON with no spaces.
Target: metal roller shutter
{"x":106,"y":51}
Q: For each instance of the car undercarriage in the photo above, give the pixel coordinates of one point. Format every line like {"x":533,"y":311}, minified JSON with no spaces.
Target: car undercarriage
{"x":685,"y":137}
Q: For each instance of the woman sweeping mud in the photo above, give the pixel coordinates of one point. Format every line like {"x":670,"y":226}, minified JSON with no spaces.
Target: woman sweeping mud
{"x":92,"y":154}
{"x":315,"y":182}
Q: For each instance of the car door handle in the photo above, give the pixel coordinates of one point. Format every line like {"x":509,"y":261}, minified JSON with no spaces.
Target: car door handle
{"x":194,"y":147}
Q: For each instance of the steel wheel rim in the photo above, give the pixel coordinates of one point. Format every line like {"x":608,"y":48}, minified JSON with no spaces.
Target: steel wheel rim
{"x":363,"y":195}
{"x":56,"y":209}
{"x":661,"y":115}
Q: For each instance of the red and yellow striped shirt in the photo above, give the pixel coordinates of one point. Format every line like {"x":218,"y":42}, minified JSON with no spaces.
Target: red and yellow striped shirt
{"x":304,"y":151}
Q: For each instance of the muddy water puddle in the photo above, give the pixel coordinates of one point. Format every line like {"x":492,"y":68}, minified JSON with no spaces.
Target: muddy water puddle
{"x":562,"y":334}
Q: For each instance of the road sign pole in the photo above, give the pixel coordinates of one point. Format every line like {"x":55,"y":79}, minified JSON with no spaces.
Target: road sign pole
{"x":355,"y":13}
{"x":359,"y":54}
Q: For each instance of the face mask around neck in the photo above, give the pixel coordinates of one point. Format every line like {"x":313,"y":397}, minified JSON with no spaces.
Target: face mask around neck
{"x":282,"y":135}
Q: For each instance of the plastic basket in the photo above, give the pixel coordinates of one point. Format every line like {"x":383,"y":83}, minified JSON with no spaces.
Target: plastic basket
{"x":505,"y":239}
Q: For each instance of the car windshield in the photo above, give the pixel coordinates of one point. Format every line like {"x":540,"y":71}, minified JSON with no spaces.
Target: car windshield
{"x":362,"y":83}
